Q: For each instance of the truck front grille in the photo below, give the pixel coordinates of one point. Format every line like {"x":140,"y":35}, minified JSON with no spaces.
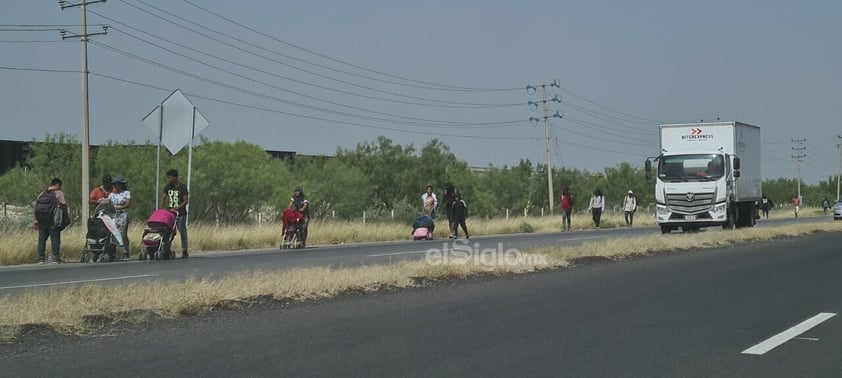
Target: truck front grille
{"x":690,"y":204}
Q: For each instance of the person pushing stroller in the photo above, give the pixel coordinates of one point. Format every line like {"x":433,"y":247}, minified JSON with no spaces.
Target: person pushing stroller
{"x":299,"y":202}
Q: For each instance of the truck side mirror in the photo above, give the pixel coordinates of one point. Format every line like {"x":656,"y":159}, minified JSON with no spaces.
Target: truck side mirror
{"x":647,"y":166}
{"x":736,"y":173}
{"x":737,"y":164}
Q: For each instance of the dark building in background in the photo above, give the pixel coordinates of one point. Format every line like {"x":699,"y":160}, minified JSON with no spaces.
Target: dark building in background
{"x":12,"y":154}
{"x":15,"y":153}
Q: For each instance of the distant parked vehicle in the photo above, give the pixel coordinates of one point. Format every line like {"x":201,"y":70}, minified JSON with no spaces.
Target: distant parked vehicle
{"x":837,"y":211}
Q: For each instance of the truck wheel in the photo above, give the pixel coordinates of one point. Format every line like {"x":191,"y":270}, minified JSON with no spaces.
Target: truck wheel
{"x":665,"y":229}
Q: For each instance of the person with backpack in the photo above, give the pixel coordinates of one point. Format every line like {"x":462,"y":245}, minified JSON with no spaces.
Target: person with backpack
{"x":51,"y":218}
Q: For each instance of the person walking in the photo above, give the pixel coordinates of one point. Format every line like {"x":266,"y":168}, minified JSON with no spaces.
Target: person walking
{"x":450,"y":194}
{"x":566,"y":208}
{"x":596,"y":205}
{"x":48,"y":202}
{"x":175,"y":198}
{"x":121,"y":198}
{"x":459,"y":212}
{"x":629,"y":208}
{"x":825,"y":205}
{"x":796,"y":204}
{"x":429,"y":202}
{"x":300,"y":202}
{"x":766,"y":204}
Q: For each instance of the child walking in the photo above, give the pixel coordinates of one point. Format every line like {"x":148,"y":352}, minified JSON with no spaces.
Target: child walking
{"x":460,"y":213}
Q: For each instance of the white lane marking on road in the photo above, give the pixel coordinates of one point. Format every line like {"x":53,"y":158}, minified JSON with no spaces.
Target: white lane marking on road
{"x":425,"y":251}
{"x":775,"y":341}
{"x":79,"y":281}
{"x":586,"y":238}
{"x":396,"y":253}
{"x":807,"y":338}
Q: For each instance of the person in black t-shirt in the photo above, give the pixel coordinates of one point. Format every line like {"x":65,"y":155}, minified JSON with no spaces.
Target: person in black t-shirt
{"x":175,"y":198}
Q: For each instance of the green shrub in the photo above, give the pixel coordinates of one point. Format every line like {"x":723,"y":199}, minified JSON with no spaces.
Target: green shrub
{"x":525,"y":228}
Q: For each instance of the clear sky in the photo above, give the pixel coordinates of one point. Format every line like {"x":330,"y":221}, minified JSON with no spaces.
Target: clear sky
{"x":311,"y":76}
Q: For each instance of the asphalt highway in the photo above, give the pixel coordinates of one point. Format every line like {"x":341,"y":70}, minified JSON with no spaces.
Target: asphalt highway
{"x":764,"y":309}
{"x":18,"y":279}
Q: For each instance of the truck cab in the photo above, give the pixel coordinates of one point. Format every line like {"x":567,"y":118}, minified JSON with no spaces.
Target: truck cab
{"x":691,"y":190}
{"x":697,"y":181}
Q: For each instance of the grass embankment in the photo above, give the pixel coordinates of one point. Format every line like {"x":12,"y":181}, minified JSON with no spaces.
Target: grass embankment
{"x":70,"y":310}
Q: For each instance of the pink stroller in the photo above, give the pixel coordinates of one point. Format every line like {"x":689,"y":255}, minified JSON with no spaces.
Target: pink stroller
{"x":158,"y":235}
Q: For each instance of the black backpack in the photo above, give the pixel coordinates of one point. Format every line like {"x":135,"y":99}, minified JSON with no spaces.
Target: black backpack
{"x":45,"y":207}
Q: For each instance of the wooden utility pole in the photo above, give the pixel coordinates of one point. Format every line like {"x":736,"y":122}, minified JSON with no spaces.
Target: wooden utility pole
{"x":86,"y":138}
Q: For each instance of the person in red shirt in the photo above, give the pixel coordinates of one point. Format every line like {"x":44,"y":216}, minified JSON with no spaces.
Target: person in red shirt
{"x":566,"y":208}
{"x":796,"y":204}
{"x":100,"y":193}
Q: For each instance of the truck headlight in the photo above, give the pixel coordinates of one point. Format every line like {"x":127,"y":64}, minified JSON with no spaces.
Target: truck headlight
{"x":719,"y":208}
{"x":662,"y":210}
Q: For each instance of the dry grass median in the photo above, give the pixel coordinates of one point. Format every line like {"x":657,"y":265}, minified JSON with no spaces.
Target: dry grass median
{"x":83,"y":309}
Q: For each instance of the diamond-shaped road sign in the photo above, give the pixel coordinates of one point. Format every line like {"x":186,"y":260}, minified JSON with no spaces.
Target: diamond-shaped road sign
{"x":173,"y":122}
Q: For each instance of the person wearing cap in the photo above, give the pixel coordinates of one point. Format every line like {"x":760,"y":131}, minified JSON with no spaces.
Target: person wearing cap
{"x":175,"y":198}
{"x":629,"y":207}
{"x":121,"y":198}
{"x":100,"y":193}
{"x":300,"y":203}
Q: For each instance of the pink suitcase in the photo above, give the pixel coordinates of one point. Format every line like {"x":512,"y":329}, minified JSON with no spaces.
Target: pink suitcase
{"x":422,"y":233}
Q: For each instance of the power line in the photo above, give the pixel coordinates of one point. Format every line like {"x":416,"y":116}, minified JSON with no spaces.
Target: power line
{"x":326,"y":77}
{"x":598,"y":148}
{"x":29,"y":41}
{"x":297,"y":59}
{"x":600,"y":128}
{"x":38,"y":69}
{"x":622,"y":142}
{"x":646,"y":120}
{"x":232,"y":103}
{"x":251,"y":107}
{"x":444,"y":86}
{"x":44,"y":25}
{"x":440,"y":103}
{"x":423,"y":122}
{"x":609,"y":118}
{"x":30,"y":30}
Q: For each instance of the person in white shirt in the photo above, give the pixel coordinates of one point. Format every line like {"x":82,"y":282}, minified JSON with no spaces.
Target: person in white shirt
{"x":121,"y":198}
{"x":629,"y":207}
{"x":429,"y":202}
{"x":597,"y":205}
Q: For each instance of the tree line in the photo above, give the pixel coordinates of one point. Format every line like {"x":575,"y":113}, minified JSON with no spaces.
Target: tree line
{"x":239,"y":182}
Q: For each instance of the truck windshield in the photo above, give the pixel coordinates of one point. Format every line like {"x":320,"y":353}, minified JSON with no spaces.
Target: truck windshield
{"x":691,"y":167}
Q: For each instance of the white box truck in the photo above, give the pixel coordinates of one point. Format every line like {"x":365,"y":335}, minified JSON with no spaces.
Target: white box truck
{"x":708,"y":174}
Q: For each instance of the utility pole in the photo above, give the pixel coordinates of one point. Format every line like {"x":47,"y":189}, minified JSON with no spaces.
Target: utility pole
{"x":839,"y":147}
{"x":799,"y":154}
{"x":86,"y":138}
{"x":531,"y":89}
